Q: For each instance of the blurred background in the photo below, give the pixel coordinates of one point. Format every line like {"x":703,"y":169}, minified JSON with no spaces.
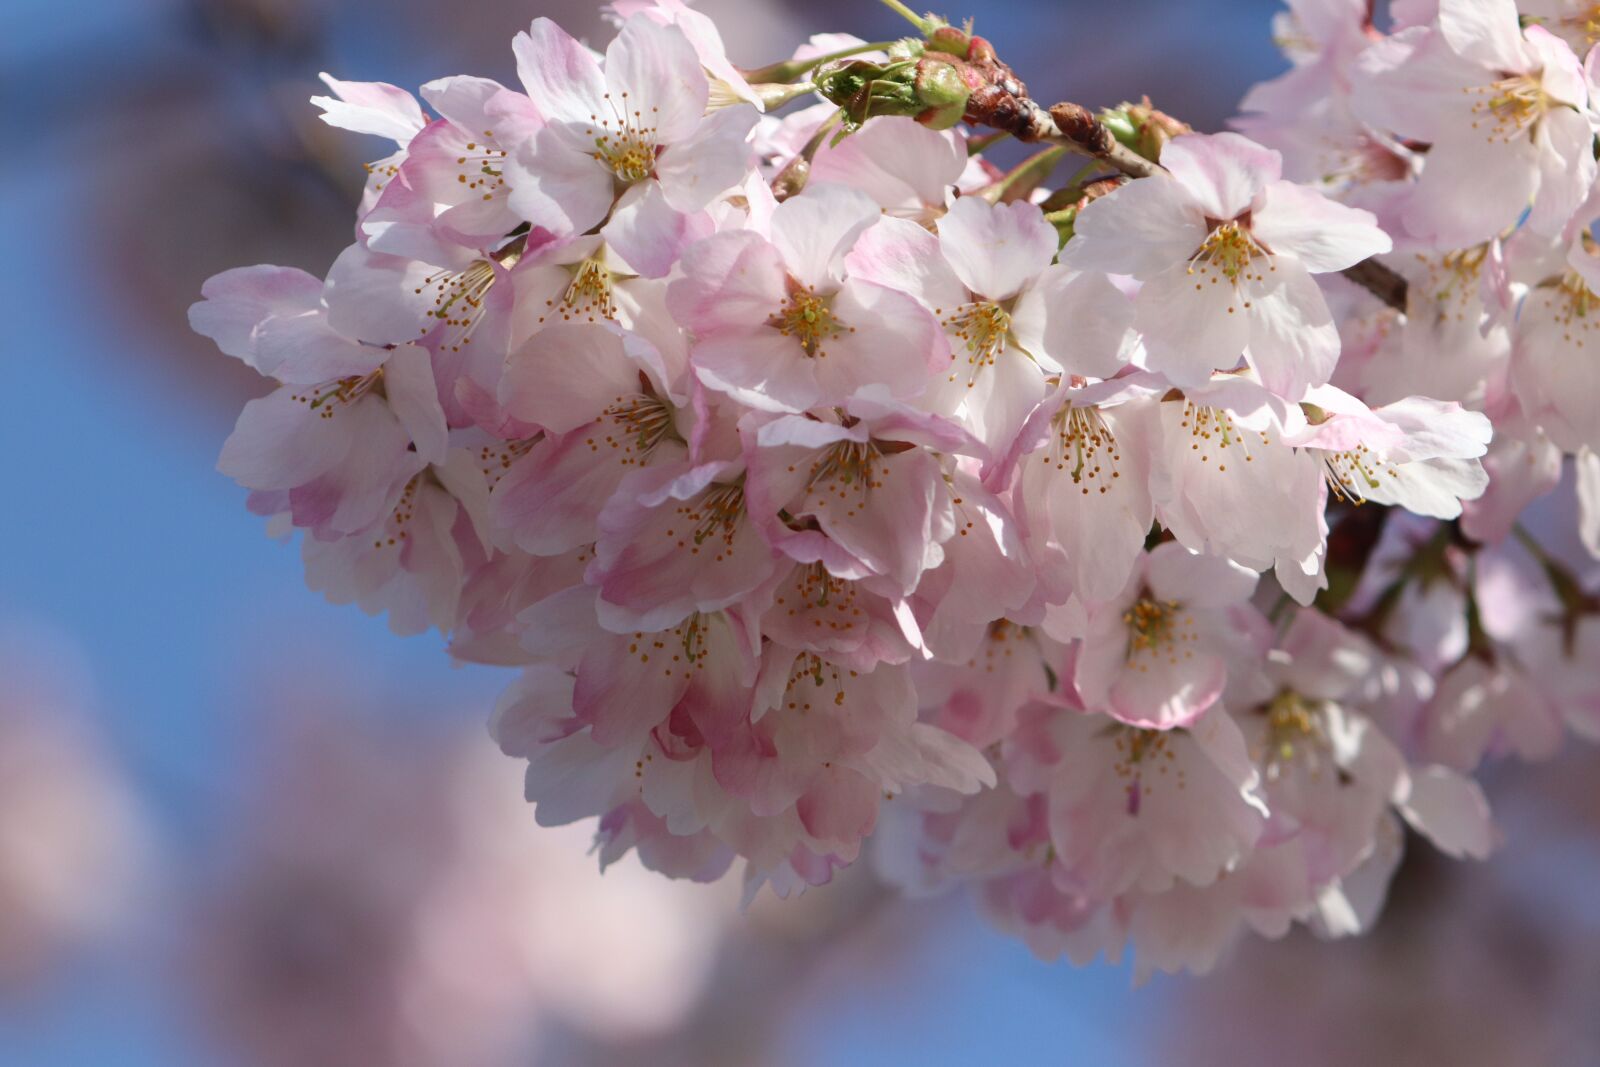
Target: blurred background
{"x":240,"y":826}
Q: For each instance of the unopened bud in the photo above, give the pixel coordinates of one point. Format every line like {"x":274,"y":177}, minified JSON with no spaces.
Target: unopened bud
{"x":1143,"y":128}
{"x":950,"y":41}
{"x":942,"y":87}
{"x":933,"y":90}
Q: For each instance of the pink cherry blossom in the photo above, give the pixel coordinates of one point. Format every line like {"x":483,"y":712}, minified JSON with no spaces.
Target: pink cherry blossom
{"x":781,"y":325}
{"x":1009,"y":317}
{"x":639,"y":117}
{"x":1505,"y":110}
{"x":1227,"y":250}
{"x":1157,"y":655}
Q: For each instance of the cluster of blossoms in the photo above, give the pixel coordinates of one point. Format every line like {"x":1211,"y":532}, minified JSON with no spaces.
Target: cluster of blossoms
{"x":1102,"y":546}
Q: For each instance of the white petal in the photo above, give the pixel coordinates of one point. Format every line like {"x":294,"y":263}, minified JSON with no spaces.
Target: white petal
{"x":995,"y":249}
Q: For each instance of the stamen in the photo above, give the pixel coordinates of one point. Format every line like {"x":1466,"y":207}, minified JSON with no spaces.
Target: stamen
{"x":496,"y":460}
{"x":1214,"y":435}
{"x":481,"y":168}
{"x":845,"y":473}
{"x":829,"y":602}
{"x":404,"y":511}
{"x":1228,"y":253}
{"x":458,"y":302}
{"x":807,"y":317}
{"x":1571,"y":304}
{"x":626,"y":141}
{"x":1293,"y":735}
{"x":1144,"y":758}
{"x":1085,"y":447}
{"x":809,"y":674}
{"x":1155,"y":628}
{"x":1510,"y":107}
{"x":1454,"y":278}
{"x":675,"y":652}
{"x":1353,"y":475}
{"x":984,"y":331}
{"x":639,"y":423}
{"x":589,"y":298}
{"x":327,"y":400}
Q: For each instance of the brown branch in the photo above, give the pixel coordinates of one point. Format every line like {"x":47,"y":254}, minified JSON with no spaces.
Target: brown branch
{"x":1001,"y":102}
{"x":1382,"y":282}
{"x":1076,"y":127}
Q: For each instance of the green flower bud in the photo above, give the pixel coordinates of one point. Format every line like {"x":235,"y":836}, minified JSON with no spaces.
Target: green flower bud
{"x":949,"y":40}
{"x":942,"y":88}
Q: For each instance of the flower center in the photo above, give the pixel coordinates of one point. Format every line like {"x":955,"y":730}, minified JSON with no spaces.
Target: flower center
{"x":829,"y":603}
{"x":496,"y":460}
{"x":1085,"y":447}
{"x":846,"y":472}
{"x":1455,"y":276}
{"x":716,"y":519}
{"x":813,"y":679}
{"x":589,"y":297}
{"x":1214,"y":435}
{"x":480,"y":168}
{"x":1509,"y":107}
{"x":458,"y":302}
{"x":626,"y":142}
{"x":1141,"y":754}
{"x":807,"y":318}
{"x":328,"y":399}
{"x":1293,"y":732}
{"x":639,"y":423}
{"x":712,"y":517}
{"x":1157,"y":627}
{"x":1572,"y":304}
{"x":1227,"y":254}
{"x":394,"y":531}
{"x":1352,"y":475}
{"x":1585,"y":24}
{"x":676,"y":652}
{"x":984,"y":330}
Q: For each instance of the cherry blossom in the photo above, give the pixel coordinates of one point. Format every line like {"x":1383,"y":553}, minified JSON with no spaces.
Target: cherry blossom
{"x":1227,"y":250}
{"x":1144,"y":544}
{"x":1505,"y":110}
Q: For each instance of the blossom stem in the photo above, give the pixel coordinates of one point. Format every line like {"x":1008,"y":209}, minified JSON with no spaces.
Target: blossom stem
{"x":1020,"y":181}
{"x":790,"y":69}
{"x":982,"y":142}
{"x":922,"y":24}
{"x":794,"y":175}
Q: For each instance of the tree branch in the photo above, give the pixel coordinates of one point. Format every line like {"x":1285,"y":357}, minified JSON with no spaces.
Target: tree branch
{"x":1003,"y":103}
{"x":1382,"y":282}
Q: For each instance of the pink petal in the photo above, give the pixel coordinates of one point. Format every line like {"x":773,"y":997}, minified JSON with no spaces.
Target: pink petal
{"x":711,"y":160}
{"x":1141,"y":229}
{"x":559,"y":73}
{"x":374,"y":108}
{"x":1223,"y":172}
{"x":1322,"y":234}
{"x":814,"y":230}
{"x":655,"y":79}
{"x":996,"y":249}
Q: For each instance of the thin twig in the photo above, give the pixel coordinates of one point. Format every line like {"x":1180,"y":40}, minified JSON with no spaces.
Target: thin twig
{"x":1381,"y":281}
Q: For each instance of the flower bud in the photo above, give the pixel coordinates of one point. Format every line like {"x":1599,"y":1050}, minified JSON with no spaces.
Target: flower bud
{"x":950,"y":41}
{"x":942,"y":87}
{"x":1143,"y":128}
{"x":933,"y":89}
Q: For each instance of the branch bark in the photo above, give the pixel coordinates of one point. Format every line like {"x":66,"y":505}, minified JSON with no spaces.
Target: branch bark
{"x":1003,"y":104}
